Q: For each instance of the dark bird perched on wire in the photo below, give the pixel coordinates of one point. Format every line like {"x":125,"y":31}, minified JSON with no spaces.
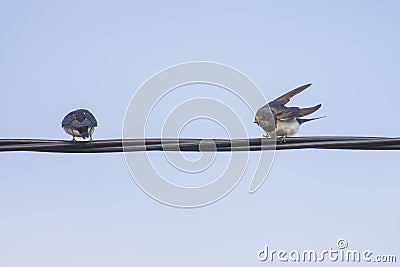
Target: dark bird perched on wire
{"x":283,"y":121}
{"x":79,"y":123}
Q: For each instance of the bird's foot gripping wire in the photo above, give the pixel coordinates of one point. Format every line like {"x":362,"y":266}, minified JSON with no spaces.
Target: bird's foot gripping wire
{"x":267,"y":135}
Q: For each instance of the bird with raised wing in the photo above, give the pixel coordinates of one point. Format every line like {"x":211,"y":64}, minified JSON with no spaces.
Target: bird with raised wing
{"x":79,"y":123}
{"x":277,"y":120}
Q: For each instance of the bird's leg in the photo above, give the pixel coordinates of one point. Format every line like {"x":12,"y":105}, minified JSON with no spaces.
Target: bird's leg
{"x":283,"y":140}
{"x":90,"y":138}
{"x":267,"y":135}
{"x":73,"y":138}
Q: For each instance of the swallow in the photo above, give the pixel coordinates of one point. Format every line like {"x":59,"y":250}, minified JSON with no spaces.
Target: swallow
{"x":277,"y":120}
{"x":79,"y":123}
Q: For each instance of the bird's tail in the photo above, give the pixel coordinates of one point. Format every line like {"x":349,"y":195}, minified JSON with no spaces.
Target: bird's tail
{"x":84,"y":131}
{"x":301,"y":121}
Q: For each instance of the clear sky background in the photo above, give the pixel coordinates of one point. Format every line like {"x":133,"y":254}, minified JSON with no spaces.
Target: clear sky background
{"x":86,"y":210}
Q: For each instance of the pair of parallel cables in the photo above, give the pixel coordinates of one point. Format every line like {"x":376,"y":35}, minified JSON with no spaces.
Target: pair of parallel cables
{"x":193,"y":145}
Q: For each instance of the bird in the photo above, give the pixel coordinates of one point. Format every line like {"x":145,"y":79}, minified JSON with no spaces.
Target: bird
{"x":277,"y":120}
{"x":79,"y":123}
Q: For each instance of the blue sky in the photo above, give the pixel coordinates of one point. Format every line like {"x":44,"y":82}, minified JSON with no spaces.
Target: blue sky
{"x":86,"y":210}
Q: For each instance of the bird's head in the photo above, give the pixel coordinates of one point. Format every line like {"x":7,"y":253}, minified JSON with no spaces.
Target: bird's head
{"x":255,"y":120}
{"x":265,"y":119}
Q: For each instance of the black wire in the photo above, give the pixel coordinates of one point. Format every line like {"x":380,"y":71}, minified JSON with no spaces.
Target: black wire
{"x":185,"y":144}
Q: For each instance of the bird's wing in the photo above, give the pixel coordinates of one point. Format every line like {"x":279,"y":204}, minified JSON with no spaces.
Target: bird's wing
{"x":68,"y":119}
{"x":78,"y":124}
{"x":284,"y":99}
{"x":289,"y":113}
{"x":74,"y":121}
{"x":91,"y":118}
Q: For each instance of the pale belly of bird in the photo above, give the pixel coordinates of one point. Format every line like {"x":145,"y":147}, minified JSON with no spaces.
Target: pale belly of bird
{"x":77,"y":133}
{"x":286,"y":127}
